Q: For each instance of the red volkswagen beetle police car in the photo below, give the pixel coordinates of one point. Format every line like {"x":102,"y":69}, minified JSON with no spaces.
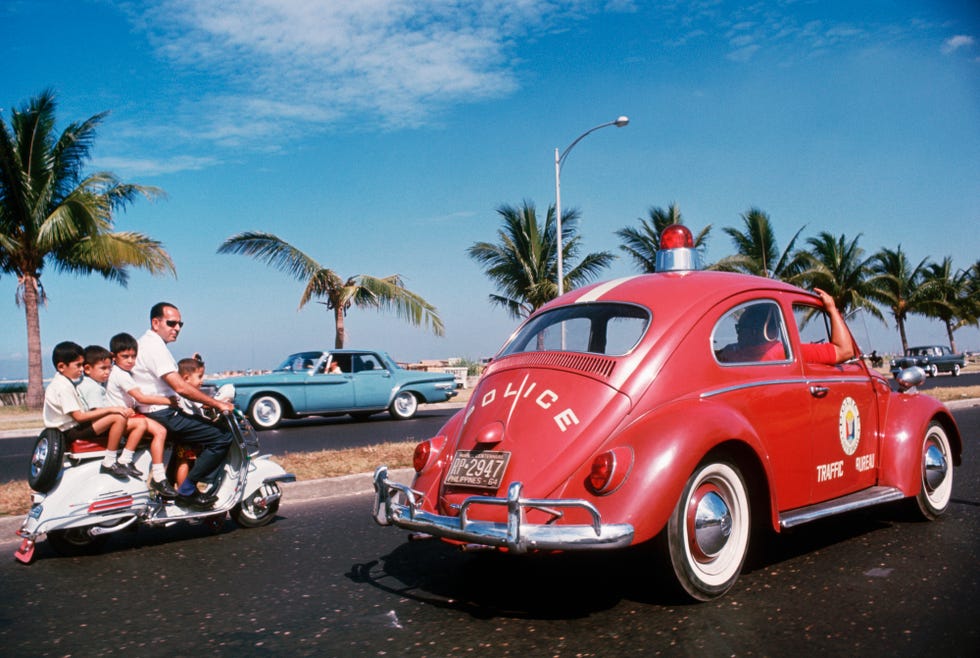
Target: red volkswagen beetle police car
{"x":647,"y":406}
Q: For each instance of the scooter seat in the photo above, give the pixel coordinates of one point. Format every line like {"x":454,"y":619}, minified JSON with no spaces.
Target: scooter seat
{"x":84,"y":445}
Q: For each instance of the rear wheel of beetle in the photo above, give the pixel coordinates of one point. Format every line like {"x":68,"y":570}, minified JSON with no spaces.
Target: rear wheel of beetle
{"x":708,"y":533}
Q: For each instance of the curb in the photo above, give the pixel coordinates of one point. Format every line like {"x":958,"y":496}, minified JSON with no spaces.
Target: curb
{"x":345,"y":485}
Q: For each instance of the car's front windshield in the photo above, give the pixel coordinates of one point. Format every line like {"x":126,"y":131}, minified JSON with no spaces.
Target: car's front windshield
{"x":606,"y":328}
{"x":300,"y":362}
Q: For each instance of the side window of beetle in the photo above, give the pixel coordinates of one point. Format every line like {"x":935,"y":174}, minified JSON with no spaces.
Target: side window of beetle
{"x":812,"y":324}
{"x":751,"y":333}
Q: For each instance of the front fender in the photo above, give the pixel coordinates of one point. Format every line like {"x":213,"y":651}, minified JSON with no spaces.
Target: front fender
{"x":908,"y":418}
{"x":668,"y":444}
{"x":262,"y":470}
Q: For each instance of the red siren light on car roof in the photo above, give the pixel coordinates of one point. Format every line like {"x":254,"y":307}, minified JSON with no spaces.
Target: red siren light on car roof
{"x":677,"y":252}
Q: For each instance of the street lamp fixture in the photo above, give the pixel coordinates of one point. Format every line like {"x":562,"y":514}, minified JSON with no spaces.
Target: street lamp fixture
{"x":559,"y":162}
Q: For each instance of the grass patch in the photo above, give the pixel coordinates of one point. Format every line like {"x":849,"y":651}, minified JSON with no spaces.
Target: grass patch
{"x":18,"y":417}
{"x":949,"y":394}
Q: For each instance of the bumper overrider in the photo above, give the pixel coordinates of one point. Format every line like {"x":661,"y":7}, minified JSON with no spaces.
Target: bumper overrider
{"x":516,"y":535}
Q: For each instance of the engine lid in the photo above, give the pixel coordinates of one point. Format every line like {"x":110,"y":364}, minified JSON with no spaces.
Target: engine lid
{"x":549,"y":420}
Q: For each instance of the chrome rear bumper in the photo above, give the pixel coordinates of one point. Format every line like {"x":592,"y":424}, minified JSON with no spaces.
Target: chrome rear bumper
{"x":517,"y":535}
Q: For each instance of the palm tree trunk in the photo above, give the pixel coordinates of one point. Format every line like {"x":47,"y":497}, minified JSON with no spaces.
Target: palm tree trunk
{"x":901,"y":332}
{"x":341,"y":335}
{"x":35,"y":375}
{"x":949,"y":332}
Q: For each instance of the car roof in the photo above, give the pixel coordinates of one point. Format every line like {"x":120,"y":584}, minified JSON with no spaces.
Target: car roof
{"x":673,"y":295}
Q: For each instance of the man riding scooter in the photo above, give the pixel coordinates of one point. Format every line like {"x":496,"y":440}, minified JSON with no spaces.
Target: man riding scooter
{"x":155,"y":373}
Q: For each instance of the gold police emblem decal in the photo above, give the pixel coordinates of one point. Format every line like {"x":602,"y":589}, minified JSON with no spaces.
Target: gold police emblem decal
{"x":849,"y":426}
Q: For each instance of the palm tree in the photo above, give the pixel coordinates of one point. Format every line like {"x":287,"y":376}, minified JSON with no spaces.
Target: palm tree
{"x":950,"y":300}
{"x":642,"y":243}
{"x":51,"y":215}
{"x":757,"y":252}
{"x":838,"y":267}
{"x":524,"y":263}
{"x":361,"y":290}
{"x":898,"y":286}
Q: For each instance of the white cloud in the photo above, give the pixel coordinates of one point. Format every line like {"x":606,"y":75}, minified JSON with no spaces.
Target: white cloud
{"x":953,"y":44}
{"x":392,"y":63}
{"x":152,"y":167}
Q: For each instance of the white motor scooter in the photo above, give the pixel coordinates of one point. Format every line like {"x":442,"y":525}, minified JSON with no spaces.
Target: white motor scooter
{"x":78,"y":508}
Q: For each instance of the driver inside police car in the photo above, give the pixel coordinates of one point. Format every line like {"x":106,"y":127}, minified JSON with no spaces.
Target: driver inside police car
{"x":759,"y":332}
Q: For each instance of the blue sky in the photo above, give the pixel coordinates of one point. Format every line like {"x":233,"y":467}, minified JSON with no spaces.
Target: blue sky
{"x":380,"y":136}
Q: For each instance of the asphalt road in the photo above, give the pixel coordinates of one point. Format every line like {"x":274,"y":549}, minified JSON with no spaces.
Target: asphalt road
{"x":324,"y":580}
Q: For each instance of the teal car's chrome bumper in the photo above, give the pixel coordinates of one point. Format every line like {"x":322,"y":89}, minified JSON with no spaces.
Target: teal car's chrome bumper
{"x":517,"y":535}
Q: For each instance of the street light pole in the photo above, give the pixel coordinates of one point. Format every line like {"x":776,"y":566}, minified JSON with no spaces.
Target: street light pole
{"x":559,"y":161}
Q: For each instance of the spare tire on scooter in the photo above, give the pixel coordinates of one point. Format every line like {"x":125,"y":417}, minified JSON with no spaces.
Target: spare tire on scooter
{"x":46,"y":460}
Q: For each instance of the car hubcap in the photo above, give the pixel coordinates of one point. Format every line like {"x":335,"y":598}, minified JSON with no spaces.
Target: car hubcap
{"x":934,"y":467}
{"x":404,"y":404}
{"x":265,"y":411}
{"x":709,"y":523}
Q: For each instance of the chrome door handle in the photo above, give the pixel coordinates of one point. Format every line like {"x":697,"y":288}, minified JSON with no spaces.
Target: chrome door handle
{"x":819,"y":391}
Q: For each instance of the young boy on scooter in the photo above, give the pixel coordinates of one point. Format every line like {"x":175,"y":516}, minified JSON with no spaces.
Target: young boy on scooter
{"x":65,"y":411}
{"x":97,"y":365}
{"x":122,"y":390}
{"x":191,"y":370}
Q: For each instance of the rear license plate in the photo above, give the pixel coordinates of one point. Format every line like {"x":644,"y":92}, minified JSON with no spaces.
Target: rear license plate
{"x":480,"y":469}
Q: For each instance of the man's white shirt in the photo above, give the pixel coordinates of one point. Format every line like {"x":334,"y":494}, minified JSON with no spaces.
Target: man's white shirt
{"x":153,"y":361}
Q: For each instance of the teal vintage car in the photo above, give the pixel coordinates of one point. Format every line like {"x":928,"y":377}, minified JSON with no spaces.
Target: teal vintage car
{"x":327,"y":383}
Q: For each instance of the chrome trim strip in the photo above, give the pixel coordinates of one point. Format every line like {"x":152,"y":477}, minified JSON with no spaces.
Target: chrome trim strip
{"x":782,"y":382}
{"x":741,"y":387}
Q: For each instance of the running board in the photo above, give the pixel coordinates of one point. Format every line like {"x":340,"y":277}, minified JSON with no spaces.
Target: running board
{"x":857,"y":500}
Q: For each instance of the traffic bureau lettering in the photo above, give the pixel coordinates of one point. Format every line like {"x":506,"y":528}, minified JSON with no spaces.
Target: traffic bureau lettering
{"x":849,"y":426}
{"x":830,"y":471}
{"x":864,"y":462}
{"x":546,"y":400}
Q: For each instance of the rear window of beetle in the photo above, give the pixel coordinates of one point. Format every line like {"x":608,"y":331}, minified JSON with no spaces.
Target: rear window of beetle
{"x":610,"y":329}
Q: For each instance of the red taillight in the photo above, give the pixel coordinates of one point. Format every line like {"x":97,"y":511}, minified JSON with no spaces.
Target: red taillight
{"x":602,"y":470}
{"x":421,"y":456}
{"x":676,"y":236}
{"x":609,"y":470}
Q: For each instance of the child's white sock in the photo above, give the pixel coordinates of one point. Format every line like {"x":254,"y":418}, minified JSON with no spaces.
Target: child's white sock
{"x":159,"y":472}
{"x":110,"y":458}
{"x":126,"y":457}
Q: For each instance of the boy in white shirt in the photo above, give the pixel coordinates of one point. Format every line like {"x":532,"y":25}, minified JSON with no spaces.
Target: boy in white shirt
{"x":65,"y":411}
{"x":97,"y":365}
{"x":122,"y":390}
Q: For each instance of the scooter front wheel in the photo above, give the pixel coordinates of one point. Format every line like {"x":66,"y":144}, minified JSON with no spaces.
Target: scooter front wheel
{"x":76,"y":541}
{"x":257,"y":510}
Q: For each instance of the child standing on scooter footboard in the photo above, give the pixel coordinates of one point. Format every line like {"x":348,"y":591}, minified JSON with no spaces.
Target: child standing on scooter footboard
{"x":64,"y":409}
{"x":191,"y":370}
{"x":122,"y":390}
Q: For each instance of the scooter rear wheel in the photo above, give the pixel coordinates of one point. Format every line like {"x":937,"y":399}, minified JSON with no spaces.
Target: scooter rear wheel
{"x":76,"y":541}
